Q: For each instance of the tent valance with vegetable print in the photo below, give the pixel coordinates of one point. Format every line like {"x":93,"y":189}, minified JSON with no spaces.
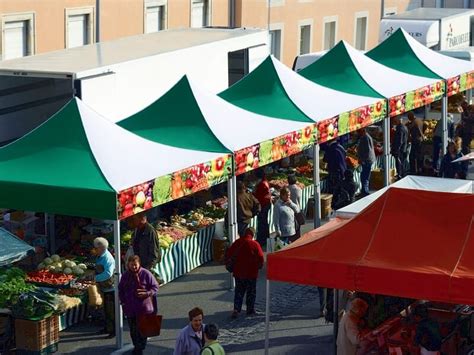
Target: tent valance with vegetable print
{"x":346,"y":69}
{"x":79,"y":163}
{"x":403,"y":53}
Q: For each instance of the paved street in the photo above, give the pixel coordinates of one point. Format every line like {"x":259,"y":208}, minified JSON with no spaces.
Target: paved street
{"x":294,"y":325}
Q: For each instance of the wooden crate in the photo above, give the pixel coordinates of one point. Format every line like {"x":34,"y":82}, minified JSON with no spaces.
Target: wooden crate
{"x":326,"y":200}
{"x":36,"y":335}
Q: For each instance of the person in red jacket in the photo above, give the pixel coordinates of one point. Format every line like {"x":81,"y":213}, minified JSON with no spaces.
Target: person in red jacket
{"x":264,"y":196}
{"x":248,"y":259}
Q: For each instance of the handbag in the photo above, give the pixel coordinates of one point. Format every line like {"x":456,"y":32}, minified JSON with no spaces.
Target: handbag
{"x":300,"y":218}
{"x":149,"y":325}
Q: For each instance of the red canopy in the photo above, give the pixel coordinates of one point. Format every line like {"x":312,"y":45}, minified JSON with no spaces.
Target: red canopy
{"x":408,"y":243}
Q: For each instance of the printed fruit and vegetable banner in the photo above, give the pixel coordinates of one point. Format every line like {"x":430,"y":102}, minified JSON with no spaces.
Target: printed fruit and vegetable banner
{"x":460,"y":83}
{"x":352,"y":121}
{"x":264,"y":153}
{"x":173,"y":186}
{"x":416,"y":98}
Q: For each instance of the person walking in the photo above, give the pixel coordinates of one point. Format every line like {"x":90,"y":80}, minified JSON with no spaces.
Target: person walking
{"x":247,"y":207}
{"x":247,"y":256}
{"x":264,"y":197}
{"x":212,"y":346}
{"x":191,"y":339}
{"x":284,"y":218}
{"x":416,"y":137}
{"x":105,"y":267}
{"x":400,"y":146}
{"x":137,"y":290}
{"x":366,"y":156}
{"x":145,"y":242}
{"x":438,"y":140}
{"x":335,"y":157}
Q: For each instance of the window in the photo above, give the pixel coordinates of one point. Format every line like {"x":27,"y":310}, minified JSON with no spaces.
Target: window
{"x":79,"y":27}
{"x":361,"y":33}
{"x":305,"y":39}
{"x":275,"y":43}
{"x":17,"y":36}
{"x":155,"y":19}
{"x":329,"y":35}
{"x":238,"y":62}
{"x":199,"y":13}
{"x":155,"y":15}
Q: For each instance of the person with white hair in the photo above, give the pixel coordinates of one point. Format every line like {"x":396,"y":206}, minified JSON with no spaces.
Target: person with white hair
{"x":349,"y":335}
{"x":105,"y":266}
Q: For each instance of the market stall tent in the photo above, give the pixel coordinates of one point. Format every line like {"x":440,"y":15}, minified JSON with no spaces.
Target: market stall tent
{"x":412,"y":182}
{"x":402,"y":52}
{"x":423,"y":250}
{"x":13,"y":249}
{"x":346,"y":69}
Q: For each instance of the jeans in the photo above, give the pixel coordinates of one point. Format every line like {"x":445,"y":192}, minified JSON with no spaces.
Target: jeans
{"x":400,"y":163}
{"x":437,"y":145}
{"x":263,"y":230}
{"x":365,"y":176}
{"x":138,"y":341}
{"x":416,"y":160}
{"x":242,"y":287}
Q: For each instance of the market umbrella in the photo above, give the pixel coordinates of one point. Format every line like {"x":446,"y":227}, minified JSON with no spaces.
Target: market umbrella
{"x":466,"y":157}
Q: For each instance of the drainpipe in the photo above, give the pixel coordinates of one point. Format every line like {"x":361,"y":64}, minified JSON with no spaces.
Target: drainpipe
{"x":97,"y":21}
{"x":232,"y":13}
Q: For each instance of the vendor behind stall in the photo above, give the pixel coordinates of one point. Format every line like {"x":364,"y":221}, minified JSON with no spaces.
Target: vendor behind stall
{"x":105,"y":266}
{"x":350,"y":334}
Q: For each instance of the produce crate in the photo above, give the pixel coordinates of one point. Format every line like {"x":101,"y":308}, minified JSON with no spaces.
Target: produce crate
{"x":377,"y":179}
{"x":326,"y":200}
{"x":36,"y":335}
{"x":48,"y":350}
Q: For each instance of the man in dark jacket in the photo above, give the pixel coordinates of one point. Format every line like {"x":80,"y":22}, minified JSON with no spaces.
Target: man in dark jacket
{"x":399,"y":146}
{"x":248,"y":259}
{"x":247,"y":207}
{"x":335,"y":156}
{"x":366,"y":156}
{"x":145,"y":242}
{"x":416,"y":138}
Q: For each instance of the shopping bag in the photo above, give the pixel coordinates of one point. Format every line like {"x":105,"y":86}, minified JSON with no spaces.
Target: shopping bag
{"x":300,"y":218}
{"x":149,"y":325}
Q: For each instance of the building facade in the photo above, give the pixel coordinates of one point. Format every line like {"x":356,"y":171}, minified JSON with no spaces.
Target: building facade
{"x":296,"y":26}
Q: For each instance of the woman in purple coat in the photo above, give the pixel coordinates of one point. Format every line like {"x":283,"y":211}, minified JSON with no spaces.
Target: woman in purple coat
{"x":191,"y":339}
{"x":137,"y":288}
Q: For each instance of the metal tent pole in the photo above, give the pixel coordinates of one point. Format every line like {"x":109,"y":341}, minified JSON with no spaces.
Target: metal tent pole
{"x":386,"y":150}
{"x":267,"y":317}
{"x":444,"y":122}
{"x":232,"y":215}
{"x":118,"y":309}
{"x":317,"y":187}
{"x":336,"y":317}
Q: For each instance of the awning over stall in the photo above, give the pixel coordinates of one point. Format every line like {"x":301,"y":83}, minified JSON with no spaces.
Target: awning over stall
{"x":346,"y":69}
{"x":79,"y":163}
{"x":13,"y":249}
{"x":402,"y":52}
{"x":408,"y":243}
{"x":410,"y":182}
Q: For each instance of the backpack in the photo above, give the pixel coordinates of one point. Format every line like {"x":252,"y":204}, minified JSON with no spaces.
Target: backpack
{"x":207,"y":347}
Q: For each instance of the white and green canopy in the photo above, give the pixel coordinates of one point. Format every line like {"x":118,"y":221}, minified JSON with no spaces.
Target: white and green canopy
{"x":274,"y":90}
{"x":78,"y":162}
{"x":189,"y":117}
{"x":403,"y":53}
{"x":346,"y":69}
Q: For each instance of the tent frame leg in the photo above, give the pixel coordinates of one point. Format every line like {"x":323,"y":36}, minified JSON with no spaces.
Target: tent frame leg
{"x":317,"y":187}
{"x":386,"y":150}
{"x":232,"y":217}
{"x":336,"y":317}
{"x":267,"y":317}
{"x":118,"y":309}
{"x":444,"y":122}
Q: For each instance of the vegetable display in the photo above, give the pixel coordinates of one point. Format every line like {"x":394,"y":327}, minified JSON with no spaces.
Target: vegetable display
{"x":55,"y":264}
{"x":12,"y":285}
{"x":49,"y":278}
{"x":34,"y":305}
{"x":65,"y":302}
